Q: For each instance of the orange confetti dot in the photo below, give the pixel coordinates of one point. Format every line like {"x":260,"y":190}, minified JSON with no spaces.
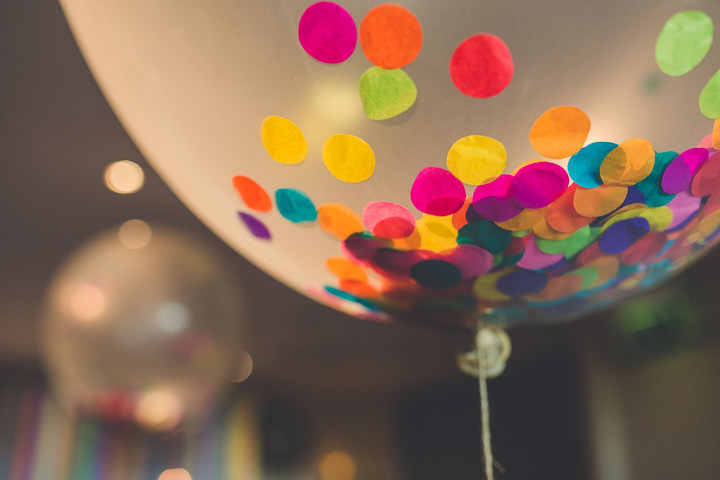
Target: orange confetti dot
{"x":390,"y":36}
{"x":560,"y":132}
{"x":358,"y":288}
{"x":254,"y":196}
{"x":410,"y":242}
{"x":558,"y":287}
{"x":598,"y":201}
{"x":562,"y":216}
{"x":339,"y":220}
{"x":543,"y":230}
{"x":523,"y":220}
{"x":459,"y":218}
{"x":607,"y":268}
{"x":629,"y":163}
{"x":344,"y":269}
{"x":716,"y":134}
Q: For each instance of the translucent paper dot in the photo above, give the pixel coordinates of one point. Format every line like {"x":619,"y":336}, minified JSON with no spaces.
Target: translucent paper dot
{"x":538,"y":184}
{"x":339,"y":220}
{"x":386,"y":93}
{"x":124,"y":177}
{"x":560,"y":132}
{"x":476,"y":159}
{"x":436,"y":191}
{"x":390,"y":36}
{"x":254,"y":196}
{"x":436,"y":233}
{"x":327,"y":32}
{"x":710,"y":98}
{"x":388,"y":220}
{"x":482,"y":66}
{"x":493,"y":201}
{"x":562,"y":216}
{"x":707,"y":178}
{"x":716,"y":134}
{"x":344,"y":269}
{"x":679,"y":173}
{"x":629,"y":163}
{"x":535,"y":259}
{"x":599,"y":201}
{"x":255,"y":226}
{"x":295,"y":205}
{"x":622,"y":234}
{"x":485,"y":234}
{"x":283,"y":140}
{"x":684,"y":42}
{"x":584,"y":166}
{"x":436,"y":274}
{"x":521,"y":282}
{"x":348,"y":158}
{"x":471,"y":260}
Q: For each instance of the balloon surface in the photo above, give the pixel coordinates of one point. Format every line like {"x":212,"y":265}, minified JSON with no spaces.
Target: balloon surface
{"x":446,"y":163}
{"x":142,"y":332}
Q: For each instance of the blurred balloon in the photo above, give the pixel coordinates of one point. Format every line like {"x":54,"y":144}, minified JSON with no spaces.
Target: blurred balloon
{"x":385,"y":159}
{"x":143,"y":334}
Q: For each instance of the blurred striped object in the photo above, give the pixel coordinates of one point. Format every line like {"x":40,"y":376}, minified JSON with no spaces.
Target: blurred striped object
{"x":39,"y":442}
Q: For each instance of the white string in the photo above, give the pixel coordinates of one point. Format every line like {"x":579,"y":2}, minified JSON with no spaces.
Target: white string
{"x":484,"y":409}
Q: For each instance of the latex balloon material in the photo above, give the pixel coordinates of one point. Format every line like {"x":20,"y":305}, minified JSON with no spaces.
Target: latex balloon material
{"x":146,"y":336}
{"x":456,"y":164}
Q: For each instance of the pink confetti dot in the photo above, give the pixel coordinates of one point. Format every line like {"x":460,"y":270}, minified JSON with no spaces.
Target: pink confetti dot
{"x":437,"y":192}
{"x":493,"y":200}
{"x":327,"y":32}
{"x":388,"y":220}
{"x":538,"y":184}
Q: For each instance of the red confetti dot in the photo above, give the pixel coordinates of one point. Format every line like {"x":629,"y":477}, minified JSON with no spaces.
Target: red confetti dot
{"x":482,"y":66}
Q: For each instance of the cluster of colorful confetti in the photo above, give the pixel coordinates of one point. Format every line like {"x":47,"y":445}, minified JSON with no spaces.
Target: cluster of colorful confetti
{"x":539,"y":243}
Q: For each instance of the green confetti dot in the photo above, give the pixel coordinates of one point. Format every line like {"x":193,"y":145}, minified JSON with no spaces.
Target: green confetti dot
{"x":683,"y":42}
{"x":710,"y":98}
{"x":386,"y":93}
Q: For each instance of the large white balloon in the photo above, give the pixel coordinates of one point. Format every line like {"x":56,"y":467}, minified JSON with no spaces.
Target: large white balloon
{"x":142,"y":329}
{"x":193,"y":82}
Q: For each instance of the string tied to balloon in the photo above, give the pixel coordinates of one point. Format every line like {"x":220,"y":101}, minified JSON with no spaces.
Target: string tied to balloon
{"x":487,"y":360}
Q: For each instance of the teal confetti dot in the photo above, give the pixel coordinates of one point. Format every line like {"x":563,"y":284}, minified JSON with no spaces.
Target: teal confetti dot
{"x":295,"y":205}
{"x":650,"y":186}
{"x":584,"y":166}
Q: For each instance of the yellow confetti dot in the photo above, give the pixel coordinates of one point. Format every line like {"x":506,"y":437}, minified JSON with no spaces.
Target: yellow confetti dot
{"x":560,"y":132}
{"x":523,"y":220}
{"x":628,"y":163}
{"x":486,"y":286}
{"x":476,"y":159}
{"x":659,"y":218}
{"x":436,"y":233}
{"x":598,"y":201}
{"x":348,"y":158}
{"x":283,"y":140}
{"x":716,"y":135}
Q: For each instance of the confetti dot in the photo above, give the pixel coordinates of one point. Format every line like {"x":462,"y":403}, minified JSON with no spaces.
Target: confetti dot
{"x":522,"y":282}
{"x":327,"y":32}
{"x":569,"y":246}
{"x":390,"y":36}
{"x":596,"y":202}
{"x":485,"y":234}
{"x":436,"y":233}
{"x":716,"y":134}
{"x":471,"y":260}
{"x":707,"y":178}
{"x":344,"y":269}
{"x":683,"y":206}
{"x":684,"y":42}
{"x":560,"y":132}
{"x":295,"y":205}
{"x":542,"y":230}
{"x":395,"y":263}
{"x":348,"y":158}
{"x":651,"y":185}
{"x":538,"y":184}
{"x":562,"y":216}
{"x":459,"y":218}
{"x":679,"y":173}
{"x":557,"y":288}
{"x":493,"y":201}
{"x":482,"y":66}
{"x":360,"y":247}
{"x":622,"y":234}
{"x":254,"y":196}
{"x":476,"y":159}
{"x":386,"y":93}
{"x":628,"y":163}
{"x":523,"y":220}
{"x":644,"y":249}
{"x":255,"y":226}
{"x":339,"y":220}
{"x":283,"y":140}
{"x":388,"y":220}
{"x":710,"y":98}
{"x":436,"y":274}
{"x":436,"y":191}
{"x":535,"y":259}
{"x":584,"y":166}
{"x":486,"y":287}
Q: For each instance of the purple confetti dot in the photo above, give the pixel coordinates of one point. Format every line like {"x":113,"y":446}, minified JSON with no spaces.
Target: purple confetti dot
{"x":619,"y":236}
{"x":522,"y":282}
{"x":493,"y":201}
{"x":256,"y":227}
{"x":538,"y":184}
{"x":678,"y":175}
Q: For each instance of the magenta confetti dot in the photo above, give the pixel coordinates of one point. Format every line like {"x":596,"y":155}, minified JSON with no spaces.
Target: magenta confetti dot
{"x":388,"y":220}
{"x":493,"y":200}
{"x":683,"y":206}
{"x":538,"y":184}
{"x":395,"y":263}
{"x":361,"y":248}
{"x":471,"y":260}
{"x":535,"y":259}
{"x":255,"y":226}
{"x":436,"y":191}
{"x":679,"y":174}
{"x":327,"y":32}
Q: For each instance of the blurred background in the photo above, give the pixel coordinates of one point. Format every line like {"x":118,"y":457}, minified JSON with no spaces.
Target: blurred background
{"x":627,"y":394}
